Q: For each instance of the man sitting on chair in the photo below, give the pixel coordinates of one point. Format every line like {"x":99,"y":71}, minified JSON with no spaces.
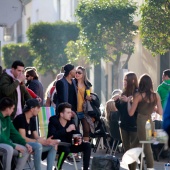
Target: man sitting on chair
{"x":62,"y":127}
{"x":11,"y":142}
{"x":25,"y":123}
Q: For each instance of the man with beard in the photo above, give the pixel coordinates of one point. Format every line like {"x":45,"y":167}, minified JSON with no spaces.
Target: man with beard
{"x":11,"y":86}
{"x":33,"y":83}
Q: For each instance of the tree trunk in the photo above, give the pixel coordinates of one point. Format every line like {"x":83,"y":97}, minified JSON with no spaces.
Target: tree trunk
{"x":116,"y":72}
{"x":126,"y":62}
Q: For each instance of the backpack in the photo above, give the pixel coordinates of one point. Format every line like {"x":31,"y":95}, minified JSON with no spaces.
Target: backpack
{"x":106,"y":162}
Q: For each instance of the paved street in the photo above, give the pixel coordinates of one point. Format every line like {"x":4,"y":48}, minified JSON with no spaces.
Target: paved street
{"x":70,"y":166}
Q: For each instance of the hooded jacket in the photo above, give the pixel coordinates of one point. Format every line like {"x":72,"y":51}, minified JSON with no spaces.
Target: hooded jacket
{"x":163,"y":90}
{"x":8,"y":88}
{"x":8,"y":134}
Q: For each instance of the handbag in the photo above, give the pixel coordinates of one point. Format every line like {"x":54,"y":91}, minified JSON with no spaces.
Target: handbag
{"x":92,"y":107}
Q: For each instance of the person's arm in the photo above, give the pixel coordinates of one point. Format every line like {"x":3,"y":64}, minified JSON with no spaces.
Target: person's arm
{"x":15,"y":136}
{"x":159,"y":106}
{"x":7,"y":85}
{"x":32,"y":94}
{"x":60,"y":91}
{"x":23,"y":134}
{"x":48,"y":102}
{"x":132,"y":107}
{"x":25,"y":92}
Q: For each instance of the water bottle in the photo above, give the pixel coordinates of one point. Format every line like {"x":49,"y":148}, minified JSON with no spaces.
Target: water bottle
{"x":167,"y":166}
{"x":148,"y":130}
{"x":19,"y":155}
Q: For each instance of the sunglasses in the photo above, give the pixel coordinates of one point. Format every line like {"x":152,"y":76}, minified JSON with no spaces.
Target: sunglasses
{"x":78,"y":72}
{"x":27,"y":75}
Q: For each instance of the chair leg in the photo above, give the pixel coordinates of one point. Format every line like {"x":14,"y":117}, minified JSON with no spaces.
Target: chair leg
{"x":97,"y":143}
{"x":75,"y":164}
{"x":116,"y":147}
{"x":112,"y":147}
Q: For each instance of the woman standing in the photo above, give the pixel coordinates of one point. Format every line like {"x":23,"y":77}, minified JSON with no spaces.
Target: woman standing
{"x":128,"y":127}
{"x":82,"y":85}
{"x":145,"y":101}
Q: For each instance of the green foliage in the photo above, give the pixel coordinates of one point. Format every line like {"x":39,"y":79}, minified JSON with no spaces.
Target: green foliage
{"x":107,"y":28}
{"x":155,"y":26}
{"x":77,"y":53}
{"x":48,"y":41}
{"x":12,"y":52}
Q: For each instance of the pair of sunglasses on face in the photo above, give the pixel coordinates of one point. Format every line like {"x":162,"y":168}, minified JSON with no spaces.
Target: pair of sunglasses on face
{"x":27,"y":75}
{"x":78,"y":72}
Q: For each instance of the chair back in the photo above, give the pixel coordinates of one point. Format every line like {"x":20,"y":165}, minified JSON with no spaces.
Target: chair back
{"x":43,"y":119}
{"x":114,"y":125}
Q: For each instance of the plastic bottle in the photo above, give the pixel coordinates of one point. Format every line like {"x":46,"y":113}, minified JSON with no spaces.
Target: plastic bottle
{"x":148,"y":130}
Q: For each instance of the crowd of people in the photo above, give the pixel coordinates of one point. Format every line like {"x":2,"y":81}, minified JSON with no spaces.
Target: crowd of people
{"x":22,"y":95}
{"x":135,"y":104}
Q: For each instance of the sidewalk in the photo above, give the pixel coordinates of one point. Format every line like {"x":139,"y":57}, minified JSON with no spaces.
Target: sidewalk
{"x":70,"y":166}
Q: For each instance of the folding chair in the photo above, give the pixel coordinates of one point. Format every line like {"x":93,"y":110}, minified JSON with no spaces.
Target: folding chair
{"x":100,"y":134}
{"x":114,"y":130}
{"x":43,"y":119}
{"x":42,"y":123}
{"x":28,"y":165}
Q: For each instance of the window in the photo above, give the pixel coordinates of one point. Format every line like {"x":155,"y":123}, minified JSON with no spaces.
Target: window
{"x":9,"y":34}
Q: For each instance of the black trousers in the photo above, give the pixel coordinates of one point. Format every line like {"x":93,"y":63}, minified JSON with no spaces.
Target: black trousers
{"x":63,"y":152}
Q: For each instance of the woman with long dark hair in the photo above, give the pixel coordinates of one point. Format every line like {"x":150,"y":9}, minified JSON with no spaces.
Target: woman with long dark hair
{"x":82,"y":85}
{"x":145,"y":101}
{"x":128,"y":127}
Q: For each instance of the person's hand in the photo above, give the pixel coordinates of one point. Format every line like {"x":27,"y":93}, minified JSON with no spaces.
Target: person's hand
{"x":42,"y":140}
{"x":39,"y":99}
{"x":29,"y":148}
{"x":53,"y":142}
{"x":73,"y":114}
{"x":71,"y":128}
{"x":19,"y":148}
{"x":130,"y":99}
{"x":116,"y":97}
{"x":21,"y":77}
{"x":125,"y":98}
{"x":88,"y":98}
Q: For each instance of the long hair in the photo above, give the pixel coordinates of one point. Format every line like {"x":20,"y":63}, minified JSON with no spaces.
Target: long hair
{"x":132,"y":84}
{"x":146,"y":86}
{"x":86,"y":80}
{"x":32,"y":72}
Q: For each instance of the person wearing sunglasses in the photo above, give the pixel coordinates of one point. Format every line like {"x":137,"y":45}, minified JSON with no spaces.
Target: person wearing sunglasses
{"x":82,"y":85}
{"x":33,"y":83}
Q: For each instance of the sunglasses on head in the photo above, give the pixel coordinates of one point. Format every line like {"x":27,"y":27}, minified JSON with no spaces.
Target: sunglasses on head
{"x":78,"y":72}
{"x":27,"y":75}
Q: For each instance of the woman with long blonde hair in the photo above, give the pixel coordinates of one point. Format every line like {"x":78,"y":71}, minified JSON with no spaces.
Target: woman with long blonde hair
{"x":82,"y":85}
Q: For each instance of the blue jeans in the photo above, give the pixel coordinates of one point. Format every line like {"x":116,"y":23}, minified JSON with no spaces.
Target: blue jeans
{"x":38,"y":149}
{"x":80,"y":115}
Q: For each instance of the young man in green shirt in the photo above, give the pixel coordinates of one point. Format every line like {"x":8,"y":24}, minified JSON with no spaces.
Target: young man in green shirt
{"x":11,"y":142}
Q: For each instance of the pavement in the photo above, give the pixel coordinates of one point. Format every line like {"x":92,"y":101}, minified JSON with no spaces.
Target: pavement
{"x":70,"y":166}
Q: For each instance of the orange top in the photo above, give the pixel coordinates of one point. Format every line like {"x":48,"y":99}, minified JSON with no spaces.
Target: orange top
{"x":80,"y":97}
